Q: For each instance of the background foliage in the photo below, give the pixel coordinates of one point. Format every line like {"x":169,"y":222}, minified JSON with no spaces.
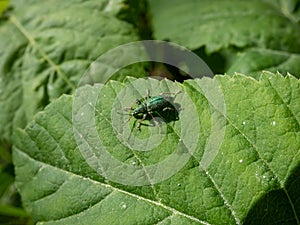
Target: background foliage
{"x":45,"y":46}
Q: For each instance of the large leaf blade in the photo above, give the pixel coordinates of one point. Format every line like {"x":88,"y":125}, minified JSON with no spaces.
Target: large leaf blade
{"x":43,"y":57}
{"x":220,"y":24}
{"x":253,"y":61}
{"x":254,"y":162}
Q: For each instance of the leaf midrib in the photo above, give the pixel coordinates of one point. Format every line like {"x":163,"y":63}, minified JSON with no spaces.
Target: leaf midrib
{"x":105,"y":185}
{"x":14,"y":20}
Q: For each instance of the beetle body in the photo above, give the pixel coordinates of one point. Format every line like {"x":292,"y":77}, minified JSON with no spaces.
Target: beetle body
{"x":148,"y":107}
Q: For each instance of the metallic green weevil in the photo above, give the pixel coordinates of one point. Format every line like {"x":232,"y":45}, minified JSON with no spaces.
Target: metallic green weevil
{"x":149,"y":107}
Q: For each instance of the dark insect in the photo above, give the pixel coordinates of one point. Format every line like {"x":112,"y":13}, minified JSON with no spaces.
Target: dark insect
{"x":157,"y":106}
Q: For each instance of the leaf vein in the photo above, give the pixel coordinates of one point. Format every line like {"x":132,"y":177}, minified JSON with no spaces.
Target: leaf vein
{"x":32,"y":41}
{"x":118,"y":190}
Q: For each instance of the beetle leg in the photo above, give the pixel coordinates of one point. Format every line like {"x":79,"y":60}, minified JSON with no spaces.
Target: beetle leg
{"x":148,"y":94}
{"x":138,"y":101}
{"x":127,"y":108}
{"x":155,"y":119}
{"x":167,"y":108}
{"x":140,"y":122}
{"x":131,"y":107}
{"x":138,"y":127}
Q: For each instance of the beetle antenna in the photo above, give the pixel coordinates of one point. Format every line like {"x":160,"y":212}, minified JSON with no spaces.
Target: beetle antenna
{"x":121,"y":113}
{"x":172,"y":93}
{"x":127,"y":119}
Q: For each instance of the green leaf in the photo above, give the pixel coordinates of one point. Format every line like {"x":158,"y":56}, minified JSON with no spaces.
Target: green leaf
{"x":253,"y":61}
{"x":290,"y":8}
{"x":3,"y":6}
{"x":10,"y":204}
{"x":232,"y":157}
{"x":45,"y":48}
{"x":222,"y":24}
{"x":12,"y":211}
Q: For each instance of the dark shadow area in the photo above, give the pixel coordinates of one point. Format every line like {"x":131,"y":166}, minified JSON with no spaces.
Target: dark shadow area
{"x":169,"y":114}
{"x":275,"y":207}
{"x":219,"y":61}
